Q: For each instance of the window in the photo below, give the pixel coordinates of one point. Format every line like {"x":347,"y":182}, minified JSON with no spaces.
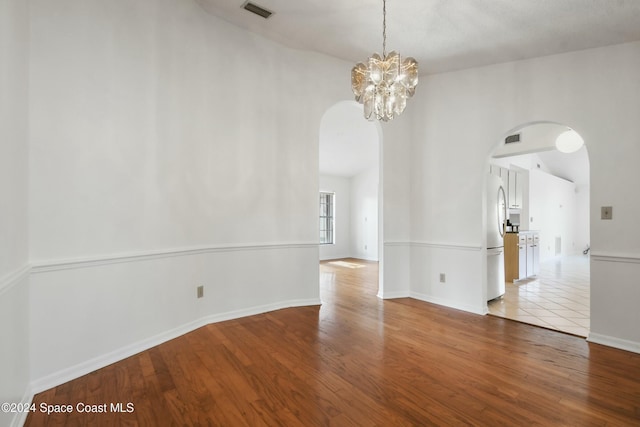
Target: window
{"x":326,"y":218}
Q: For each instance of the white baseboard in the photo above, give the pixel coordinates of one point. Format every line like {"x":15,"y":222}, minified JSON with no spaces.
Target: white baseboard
{"x":57,"y":378}
{"x":447,"y":303}
{"x":392,"y":295}
{"x":438,"y":301}
{"x":20,"y":418}
{"x":614,"y":342}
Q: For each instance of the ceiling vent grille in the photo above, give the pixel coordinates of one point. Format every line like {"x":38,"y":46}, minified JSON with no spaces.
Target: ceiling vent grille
{"x":254,"y":8}
{"x":512,"y":138}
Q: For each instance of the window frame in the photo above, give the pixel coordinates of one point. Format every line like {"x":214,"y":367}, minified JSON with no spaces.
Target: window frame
{"x":327,"y":234}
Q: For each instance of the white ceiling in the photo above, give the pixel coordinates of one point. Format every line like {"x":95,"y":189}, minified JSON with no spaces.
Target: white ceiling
{"x":537,"y":146}
{"x":573,"y":167}
{"x":443,"y":35}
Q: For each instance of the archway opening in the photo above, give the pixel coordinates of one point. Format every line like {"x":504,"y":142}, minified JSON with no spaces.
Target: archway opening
{"x":546,"y":240}
{"x":349,"y":183}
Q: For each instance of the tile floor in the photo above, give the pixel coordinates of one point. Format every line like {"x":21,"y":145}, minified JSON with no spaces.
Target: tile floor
{"x":558,"y":298}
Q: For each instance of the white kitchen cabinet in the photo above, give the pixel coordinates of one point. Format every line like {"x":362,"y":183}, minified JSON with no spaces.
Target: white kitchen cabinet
{"x":522,"y":255}
{"x":504,"y":172}
{"x":533,"y":260}
{"x":515,"y":189}
{"x":529,"y":255}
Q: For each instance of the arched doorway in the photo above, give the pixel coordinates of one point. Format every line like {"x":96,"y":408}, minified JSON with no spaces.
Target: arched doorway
{"x":553,"y":288}
{"x":349,"y":178}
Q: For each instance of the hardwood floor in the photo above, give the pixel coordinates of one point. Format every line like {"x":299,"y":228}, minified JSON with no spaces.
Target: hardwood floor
{"x":358,"y":360}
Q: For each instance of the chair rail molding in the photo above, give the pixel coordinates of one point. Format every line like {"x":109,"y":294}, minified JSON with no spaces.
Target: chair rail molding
{"x":74,"y":263}
{"x":600,"y":256}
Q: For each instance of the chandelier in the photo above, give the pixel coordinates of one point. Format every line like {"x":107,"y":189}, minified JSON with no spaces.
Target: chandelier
{"x":384,"y":84}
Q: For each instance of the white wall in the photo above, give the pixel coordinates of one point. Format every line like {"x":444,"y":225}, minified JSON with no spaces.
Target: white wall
{"x":356,"y":216}
{"x":364,"y":214}
{"x":582,"y":220}
{"x":114,"y":308}
{"x":133,"y":150}
{"x":553,"y":207}
{"x":169,"y":150}
{"x":395,"y":178}
{"x":456,"y":125}
{"x":341,"y":186}
{"x":14,"y":282}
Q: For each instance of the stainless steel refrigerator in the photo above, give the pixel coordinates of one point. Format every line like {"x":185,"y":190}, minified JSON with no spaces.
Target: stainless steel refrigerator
{"x":496,"y":217}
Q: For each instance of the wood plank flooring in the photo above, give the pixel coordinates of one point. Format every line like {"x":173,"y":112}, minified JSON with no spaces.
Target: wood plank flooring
{"x":358,"y":360}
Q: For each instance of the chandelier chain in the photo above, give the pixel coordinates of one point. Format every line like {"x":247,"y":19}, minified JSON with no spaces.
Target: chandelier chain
{"x":384,"y":28}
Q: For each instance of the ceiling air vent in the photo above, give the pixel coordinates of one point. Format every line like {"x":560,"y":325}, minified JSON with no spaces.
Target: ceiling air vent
{"x":512,"y":138}
{"x":254,"y":8}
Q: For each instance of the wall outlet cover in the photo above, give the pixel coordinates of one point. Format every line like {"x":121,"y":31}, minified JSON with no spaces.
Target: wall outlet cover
{"x":606,"y":212}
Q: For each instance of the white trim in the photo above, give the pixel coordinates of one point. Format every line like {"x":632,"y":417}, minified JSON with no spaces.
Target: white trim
{"x":614,"y":342}
{"x":456,"y":246}
{"x":397,"y":243}
{"x":435,"y":245}
{"x":20,"y":418}
{"x":615,"y":257}
{"x":393,"y":295}
{"x":6,"y":284}
{"x":447,"y":303}
{"x":83,"y":368}
{"x":74,"y":263}
{"x":13,"y":278}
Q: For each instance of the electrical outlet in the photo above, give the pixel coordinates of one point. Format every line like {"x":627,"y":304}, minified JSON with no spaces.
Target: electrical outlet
{"x":443,"y":278}
{"x":365,"y":247}
{"x":200,"y":291}
{"x":606,"y":212}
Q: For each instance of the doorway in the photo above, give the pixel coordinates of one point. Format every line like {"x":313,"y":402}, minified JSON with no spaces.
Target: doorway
{"x":349,"y":169}
{"x":554,"y":190}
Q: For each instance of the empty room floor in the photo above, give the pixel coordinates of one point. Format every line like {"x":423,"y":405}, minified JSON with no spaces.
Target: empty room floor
{"x":359,"y":360}
{"x":558,"y":298}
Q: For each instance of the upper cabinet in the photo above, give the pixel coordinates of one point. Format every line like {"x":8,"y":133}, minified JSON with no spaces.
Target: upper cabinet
{"x":513,"y":183}
{"x":515,"y":189}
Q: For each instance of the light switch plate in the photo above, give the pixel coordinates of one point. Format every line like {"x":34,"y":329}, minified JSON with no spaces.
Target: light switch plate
{"x":606,"y":212}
